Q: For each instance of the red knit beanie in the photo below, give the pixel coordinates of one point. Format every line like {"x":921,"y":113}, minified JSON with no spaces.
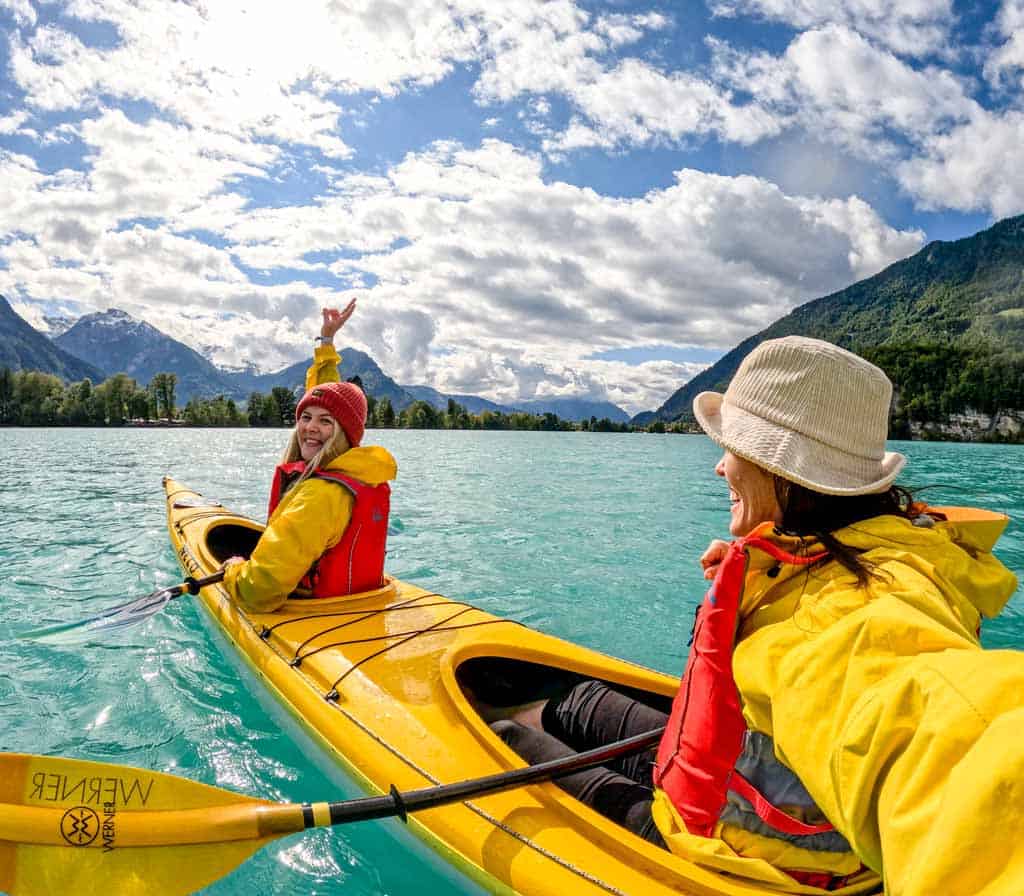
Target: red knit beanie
{"x":345,"y":402}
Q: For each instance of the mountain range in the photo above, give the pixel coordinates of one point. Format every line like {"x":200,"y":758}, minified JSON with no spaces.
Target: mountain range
{"x":104,"y":343}
{"x":24,"y":348}
{"x":967,"y":292}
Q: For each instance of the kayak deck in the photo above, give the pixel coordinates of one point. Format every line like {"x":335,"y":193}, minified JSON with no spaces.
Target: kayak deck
{"x":390,"y":683}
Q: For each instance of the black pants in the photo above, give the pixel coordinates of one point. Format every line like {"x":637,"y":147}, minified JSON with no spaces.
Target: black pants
{"x":588,"y":716}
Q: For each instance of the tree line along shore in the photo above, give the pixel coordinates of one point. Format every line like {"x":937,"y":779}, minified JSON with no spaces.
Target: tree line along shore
{"x":933,"y":383}
{"x":32,"y":398}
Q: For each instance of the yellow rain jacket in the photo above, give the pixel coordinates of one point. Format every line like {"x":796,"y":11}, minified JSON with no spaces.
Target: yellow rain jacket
{"x":311,"y":517}
{"x":905,"y":732}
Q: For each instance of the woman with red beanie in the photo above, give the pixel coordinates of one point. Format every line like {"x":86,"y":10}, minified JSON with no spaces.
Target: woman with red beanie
{"x":328,"y":515}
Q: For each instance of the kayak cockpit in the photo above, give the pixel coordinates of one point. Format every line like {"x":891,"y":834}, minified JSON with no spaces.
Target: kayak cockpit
{"x":494,"y":685}
{"x":231,"y":540}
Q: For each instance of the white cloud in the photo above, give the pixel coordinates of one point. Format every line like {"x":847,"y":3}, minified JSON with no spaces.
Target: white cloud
{"x":843,"y":88}
{"x":151,"y":170}
{"x":976,"y":167}
{"x":255,"y":71}
{"x":29,"y":311}
{"x":907,"y":27}
{"x":513,"y":379}
{"x":535,"y":48}
{"x":470,"y":249}
{"x":11,"y":124}
{"x":498,"y":259}
{"x":1008,"y":58}
{"x":634,"y":104}
{"x":555,"y":49}
{"x":621,"y":29}
{"x":942,"y":147}
{"x":22,"y":11}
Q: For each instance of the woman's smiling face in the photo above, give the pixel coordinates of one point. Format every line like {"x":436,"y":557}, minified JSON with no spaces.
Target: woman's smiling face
{"x":751,"y":494}
{"x":314,"y":427}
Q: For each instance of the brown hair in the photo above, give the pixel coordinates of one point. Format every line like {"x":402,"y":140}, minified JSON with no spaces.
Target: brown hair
{"x":807,"y":513}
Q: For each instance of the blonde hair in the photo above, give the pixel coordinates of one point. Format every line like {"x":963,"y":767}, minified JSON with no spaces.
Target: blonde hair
{"x":333,"y":448}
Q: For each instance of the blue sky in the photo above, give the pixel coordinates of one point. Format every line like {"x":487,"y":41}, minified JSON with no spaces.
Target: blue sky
{"x":529,"y":198}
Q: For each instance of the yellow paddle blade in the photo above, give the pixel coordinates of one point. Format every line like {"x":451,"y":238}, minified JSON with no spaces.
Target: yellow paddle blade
{"x":68,"y":825}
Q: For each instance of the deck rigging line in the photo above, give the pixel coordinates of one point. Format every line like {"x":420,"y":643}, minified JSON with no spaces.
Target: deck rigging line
{"x":363,"y":618}
{"x":297,"y":660}
{"x":332,"y":694}
{"x":408,"y":603}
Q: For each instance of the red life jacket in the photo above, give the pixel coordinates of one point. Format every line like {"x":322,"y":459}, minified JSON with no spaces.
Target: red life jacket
{"x":356,"y":562}
{"x":706,"y":738}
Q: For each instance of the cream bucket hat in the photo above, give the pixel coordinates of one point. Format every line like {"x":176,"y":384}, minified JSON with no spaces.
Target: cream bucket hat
{"x":810,"y":412}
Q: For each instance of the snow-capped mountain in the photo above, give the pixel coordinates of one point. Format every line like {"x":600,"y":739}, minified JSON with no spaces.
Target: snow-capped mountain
{"x":116,"y":342}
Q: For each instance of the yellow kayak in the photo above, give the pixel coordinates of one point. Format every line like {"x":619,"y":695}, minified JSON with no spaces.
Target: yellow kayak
{"x":388,"y":682}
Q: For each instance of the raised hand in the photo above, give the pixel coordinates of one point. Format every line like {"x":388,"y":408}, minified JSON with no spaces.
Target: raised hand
{"x":334,"y":320}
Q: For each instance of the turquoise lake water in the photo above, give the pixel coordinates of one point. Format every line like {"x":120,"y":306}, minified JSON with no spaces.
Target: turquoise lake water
{"x":591,"y":537}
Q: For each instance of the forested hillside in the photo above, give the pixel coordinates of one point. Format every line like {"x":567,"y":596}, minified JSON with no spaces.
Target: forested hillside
{"x":946,"y":324}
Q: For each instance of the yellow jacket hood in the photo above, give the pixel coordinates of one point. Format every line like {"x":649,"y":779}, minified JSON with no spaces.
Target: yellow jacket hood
{"x":371,"y":464}
{"x":954,"y":554}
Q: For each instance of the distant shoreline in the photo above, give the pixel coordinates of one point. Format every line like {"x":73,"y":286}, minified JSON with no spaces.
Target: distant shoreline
{"x":181,"y":424}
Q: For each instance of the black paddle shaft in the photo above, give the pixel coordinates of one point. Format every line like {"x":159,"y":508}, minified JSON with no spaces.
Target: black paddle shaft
{"x":400,"y":804}
{"x":192,"y":584}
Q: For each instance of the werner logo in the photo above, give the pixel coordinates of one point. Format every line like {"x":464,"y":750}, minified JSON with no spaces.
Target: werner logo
{"x":79,"y":826}
{"x":111,"y":791}
{"x":107,"y":826}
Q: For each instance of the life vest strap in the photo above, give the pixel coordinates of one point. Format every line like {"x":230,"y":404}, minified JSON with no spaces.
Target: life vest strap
{"x":773,"y":550}
{"x":772,"y":815}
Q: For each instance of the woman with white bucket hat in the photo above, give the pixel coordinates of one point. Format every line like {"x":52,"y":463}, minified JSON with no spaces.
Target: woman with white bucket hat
{"x":838,"y":721}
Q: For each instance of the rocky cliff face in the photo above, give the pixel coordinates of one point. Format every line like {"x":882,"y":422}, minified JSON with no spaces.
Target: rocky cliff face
{"x":973,"y":426}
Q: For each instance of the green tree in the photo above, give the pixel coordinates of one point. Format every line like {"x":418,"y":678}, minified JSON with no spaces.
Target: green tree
{"x":384,"y":414}
{"x":38,"y":397}
{"x":76,"y":408}
{"x":272,"y":411}
{"x":234,"y":416}
{"x":163,"y":386}
{"x":115,"y":393}
{"x":254,"y":409}
{"x":140,"y":405}
{"x":493,"y":420}
{"x":420,"y":415}
{"x":284,"y":398}
{"x":455,"y":416}
{"x":523,"y":421}
{"x":193,"y":414}
{"x":7,"y":405}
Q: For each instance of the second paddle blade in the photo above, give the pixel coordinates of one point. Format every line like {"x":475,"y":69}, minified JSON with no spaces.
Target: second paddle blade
{"x":81,"y":631}
{"x":70,"y":826}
